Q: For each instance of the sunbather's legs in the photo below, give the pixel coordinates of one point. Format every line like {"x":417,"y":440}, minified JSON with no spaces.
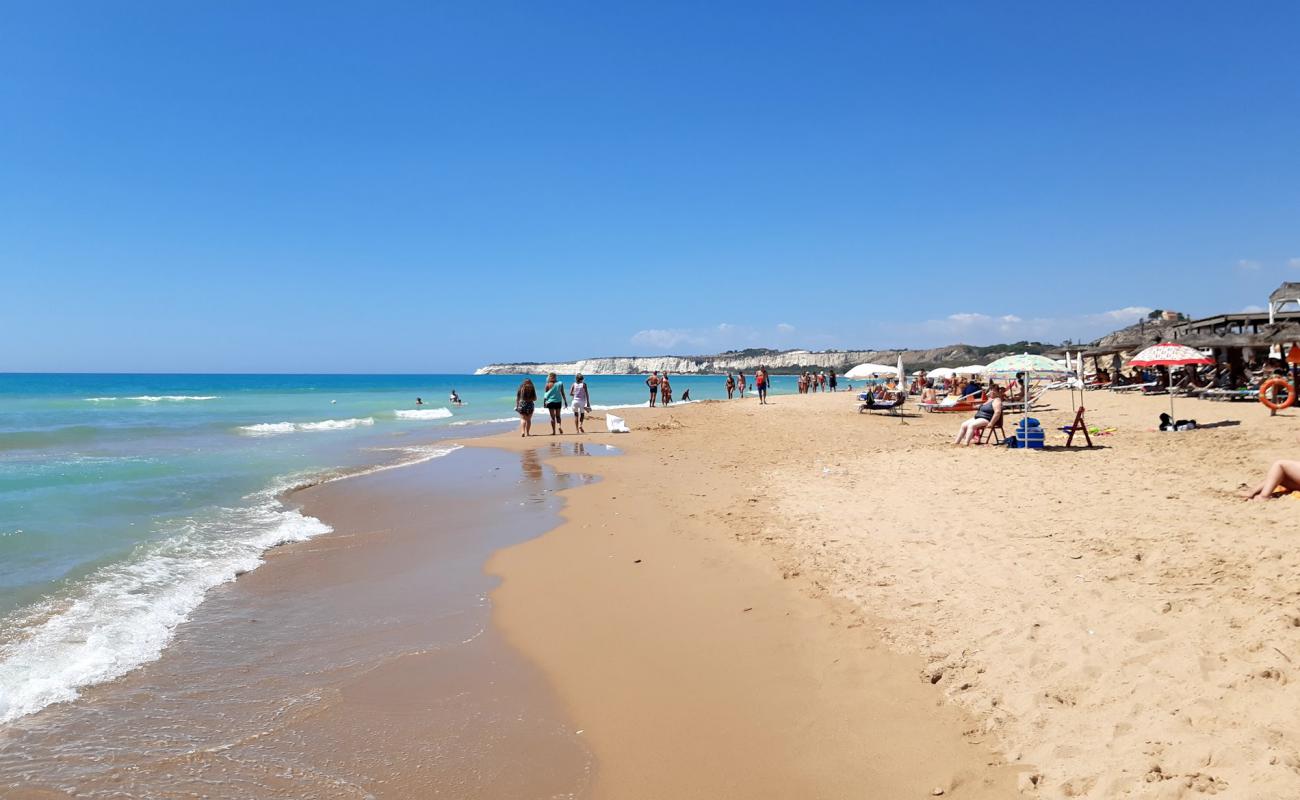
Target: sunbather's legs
{"x":968,"y":430}
{"x":1285,"y":474}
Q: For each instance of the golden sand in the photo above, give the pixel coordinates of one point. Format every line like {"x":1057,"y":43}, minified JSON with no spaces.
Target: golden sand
{"x":1111,"y":622}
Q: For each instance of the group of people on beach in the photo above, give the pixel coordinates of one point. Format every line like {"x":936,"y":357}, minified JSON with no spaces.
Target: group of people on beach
{"x":818,"y":382}
{"x":554,"y":397}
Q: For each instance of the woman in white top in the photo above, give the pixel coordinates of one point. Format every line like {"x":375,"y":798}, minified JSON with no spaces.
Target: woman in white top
{"x":581,"y":401}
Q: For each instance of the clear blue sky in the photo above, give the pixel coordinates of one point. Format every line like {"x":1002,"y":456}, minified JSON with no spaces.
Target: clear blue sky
{"x":423,"y":186}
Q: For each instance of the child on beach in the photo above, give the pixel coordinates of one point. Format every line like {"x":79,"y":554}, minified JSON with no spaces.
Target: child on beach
{"x":525,"y":398}
{"x":554,"y":398}
{"x":581,"y":401}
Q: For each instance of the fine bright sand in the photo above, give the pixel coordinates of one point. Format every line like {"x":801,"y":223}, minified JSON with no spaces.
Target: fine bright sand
{"x":1106,"y":623}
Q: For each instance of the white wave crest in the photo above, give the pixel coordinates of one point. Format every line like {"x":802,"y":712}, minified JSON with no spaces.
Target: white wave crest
{"x":485,"y":421}
{"x":156,"y":398}
{"x":422,"y":413}
{"x":276,"y":428}
{"x":123,"y":615}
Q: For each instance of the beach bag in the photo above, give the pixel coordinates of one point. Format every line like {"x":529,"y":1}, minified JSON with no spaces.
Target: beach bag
{"x":615,"y":424}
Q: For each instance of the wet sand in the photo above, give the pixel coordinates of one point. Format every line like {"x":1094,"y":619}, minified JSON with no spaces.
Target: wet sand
{"x":695,"y":667}
{"x":358,"y":664}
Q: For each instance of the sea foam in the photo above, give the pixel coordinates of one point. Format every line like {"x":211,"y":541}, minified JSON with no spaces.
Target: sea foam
{"x":123,"y":615}
{"x":276,"y":428}
{"x":156,"y":398}
{"x":422,"y":413}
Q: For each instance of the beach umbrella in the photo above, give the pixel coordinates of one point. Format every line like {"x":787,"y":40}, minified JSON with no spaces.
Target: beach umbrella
{"x":970,"y":369}
{"x":942,"y":372}
{"x":1168,"y":354}
{"x":869,"y":371}
{"x":902,"y":379}
{"x":1028,"y":366}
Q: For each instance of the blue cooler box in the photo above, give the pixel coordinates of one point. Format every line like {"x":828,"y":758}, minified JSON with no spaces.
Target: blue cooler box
{"x":1030,"y":434}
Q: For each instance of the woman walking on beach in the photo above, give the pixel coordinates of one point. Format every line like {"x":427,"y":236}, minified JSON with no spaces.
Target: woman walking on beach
{"x":665,"y":390}
{"x":554,"y":398}
{"x":525,"y":399}
{"x":740,"y":383}
{"x":731,"y":386}
{"x":581,"y":402}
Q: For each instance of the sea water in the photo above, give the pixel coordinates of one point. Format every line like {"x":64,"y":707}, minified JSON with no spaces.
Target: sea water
{"x":125,"y":498}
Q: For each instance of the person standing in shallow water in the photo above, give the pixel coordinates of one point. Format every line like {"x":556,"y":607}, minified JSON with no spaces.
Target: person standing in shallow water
{"x":554,"y":398}
{"x":665,"y":389}
{"x":653,"y":383}
{"x":525,"y":400}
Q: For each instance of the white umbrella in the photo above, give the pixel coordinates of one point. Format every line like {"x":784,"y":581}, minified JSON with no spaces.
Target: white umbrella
{"x":902,"y":377}
{"x":970,"y":369}
{"x":868,"y":371}
{"x":942,"y":372}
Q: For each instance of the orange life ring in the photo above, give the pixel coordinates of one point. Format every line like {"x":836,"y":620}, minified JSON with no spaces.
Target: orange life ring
{"x":1266,"y":393}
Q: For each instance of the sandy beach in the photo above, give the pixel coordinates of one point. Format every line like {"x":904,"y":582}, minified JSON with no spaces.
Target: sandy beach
{"x":1111,"y":622}
{"x":742,"y":601}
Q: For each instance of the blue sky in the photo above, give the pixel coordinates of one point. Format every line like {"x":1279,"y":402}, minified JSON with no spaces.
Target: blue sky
{"x":427,"y":187}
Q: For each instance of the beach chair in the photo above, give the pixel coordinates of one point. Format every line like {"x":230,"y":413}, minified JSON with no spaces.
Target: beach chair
{"x":893,"y":408}
{"x":992,"y":432}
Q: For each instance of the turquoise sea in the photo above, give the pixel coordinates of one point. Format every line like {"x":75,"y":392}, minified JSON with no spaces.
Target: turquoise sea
{"x":125,"y":498}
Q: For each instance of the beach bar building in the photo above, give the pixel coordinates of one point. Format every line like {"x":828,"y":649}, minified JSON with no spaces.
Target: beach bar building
{"x":1234,"y":340}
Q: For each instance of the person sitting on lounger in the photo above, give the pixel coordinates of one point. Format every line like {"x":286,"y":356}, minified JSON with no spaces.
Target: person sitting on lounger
{"x":972,"y":387}
{"x":988,"y":414}
{"x":928,"y":394}
{"x":1284,"y":475}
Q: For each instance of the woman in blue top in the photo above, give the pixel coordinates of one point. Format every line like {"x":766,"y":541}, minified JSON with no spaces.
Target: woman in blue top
{"x":553,"y":396}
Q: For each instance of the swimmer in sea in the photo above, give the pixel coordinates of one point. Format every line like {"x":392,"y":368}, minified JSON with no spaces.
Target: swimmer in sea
{"x":455,"y":398}
{"x":419,"y":402}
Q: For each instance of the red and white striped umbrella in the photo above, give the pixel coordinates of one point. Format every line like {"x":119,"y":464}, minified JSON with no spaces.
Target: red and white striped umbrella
{"x":1169,"y":354}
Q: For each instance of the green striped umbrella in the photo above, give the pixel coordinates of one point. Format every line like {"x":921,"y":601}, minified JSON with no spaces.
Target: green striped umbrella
{"x":1031,"y":366}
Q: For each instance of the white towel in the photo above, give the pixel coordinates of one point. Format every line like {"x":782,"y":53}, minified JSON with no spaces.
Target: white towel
{"x":615,"y":424}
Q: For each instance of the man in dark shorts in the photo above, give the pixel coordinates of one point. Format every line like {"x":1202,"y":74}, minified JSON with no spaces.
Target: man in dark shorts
{"x":653,"y":383}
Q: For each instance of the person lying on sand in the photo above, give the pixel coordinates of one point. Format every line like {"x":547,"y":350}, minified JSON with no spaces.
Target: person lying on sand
{"x":1283,"y":475}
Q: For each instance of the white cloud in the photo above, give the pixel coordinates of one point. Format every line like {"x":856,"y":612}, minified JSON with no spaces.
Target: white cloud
{"x":1126,"y":315}
{"x":785,"y":327}
{"x":973,"y":327}
{"x":1246,"y":265}
{"x":1252,"y":309}
{"x":1295,"y":262}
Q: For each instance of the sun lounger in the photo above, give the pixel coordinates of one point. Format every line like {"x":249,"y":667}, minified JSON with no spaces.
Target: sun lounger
{"x":890,"y":406}
{"x":1135,"y":387}
{"x":967,"y":403}
{"x":1230,"y":395}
